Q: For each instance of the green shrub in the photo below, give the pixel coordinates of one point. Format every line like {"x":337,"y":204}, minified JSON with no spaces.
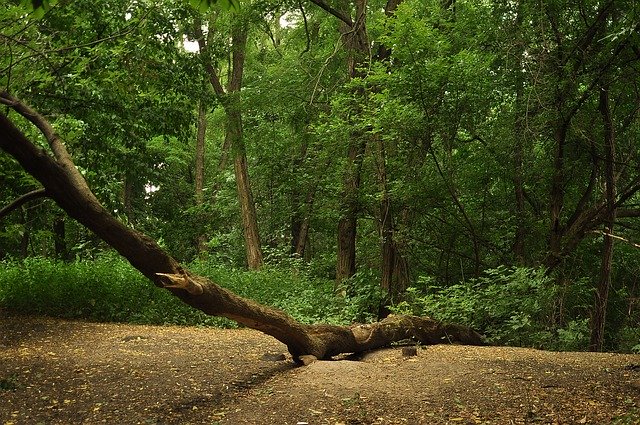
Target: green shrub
{"x":110,"y":289}
{"x":510,"y":306}
{"x":105,"y":289}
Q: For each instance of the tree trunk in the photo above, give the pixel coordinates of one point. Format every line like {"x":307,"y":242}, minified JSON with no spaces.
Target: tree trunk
{"x":348,"y":223}
{"x":247,"y":209}
{"x":59,"y":238}
{"x":199,"y":165}
{"x":357,"y":45}
{"x":599,"y":313}
{"x":127,"y":199}
{"x":66,"y":186}
{"x":300,"y":223}
{"x":556,"y":202}
{"x":394,"y":267}
{"x":199,"y":168}
{"x":518,"y":155}
{"x":25,"y":239}
{"x":231,"y":101}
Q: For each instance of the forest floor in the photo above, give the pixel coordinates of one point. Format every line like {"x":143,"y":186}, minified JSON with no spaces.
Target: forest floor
{"x":67,"y":372}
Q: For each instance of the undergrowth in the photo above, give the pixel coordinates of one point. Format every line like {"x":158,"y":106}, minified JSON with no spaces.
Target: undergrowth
{"x":510,"y":306}
{"x":110,"y":289}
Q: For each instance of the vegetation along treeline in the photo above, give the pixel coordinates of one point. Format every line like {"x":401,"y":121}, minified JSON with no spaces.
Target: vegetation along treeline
{"x":474,"y":161}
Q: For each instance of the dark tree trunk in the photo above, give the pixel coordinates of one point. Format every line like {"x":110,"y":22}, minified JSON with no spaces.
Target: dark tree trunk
{"x":25,"y":239}
{"x":59,"y":238}
{"x":127,"y":199}
{"x":300,"y":223}
{"x":394,"y":267}
{"x":66,"y":186}
{"x":599,"y":313}
{"x":518,"y":155}
{"x":247,"y":210}
{"x":357,"y":45}
{"x":348,"y":223}
{"x":556,"y":202}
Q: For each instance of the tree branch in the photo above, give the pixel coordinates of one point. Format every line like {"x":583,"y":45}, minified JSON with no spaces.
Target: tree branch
{"x":57,"y":147}
{"x":205,"y":55}
{"x":333,"y":11}
{"x":17,"y":203}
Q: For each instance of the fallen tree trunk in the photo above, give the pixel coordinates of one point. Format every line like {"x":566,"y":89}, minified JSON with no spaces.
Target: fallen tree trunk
{"x":66,"y":186}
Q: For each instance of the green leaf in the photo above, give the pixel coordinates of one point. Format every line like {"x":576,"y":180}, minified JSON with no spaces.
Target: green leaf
{"x":205,"y":5}
{"x":38,"y":7}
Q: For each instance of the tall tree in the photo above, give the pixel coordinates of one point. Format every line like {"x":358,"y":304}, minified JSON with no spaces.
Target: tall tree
{"x":230,"y":99}
{"x":201,"y":130}
{"x":599,"y":314}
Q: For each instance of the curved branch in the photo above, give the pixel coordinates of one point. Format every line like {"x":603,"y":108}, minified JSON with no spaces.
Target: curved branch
{"x":333,"y":11}
{"x":17,"y":203}
{"x":306,"y":28}
{"x":57,"y":147}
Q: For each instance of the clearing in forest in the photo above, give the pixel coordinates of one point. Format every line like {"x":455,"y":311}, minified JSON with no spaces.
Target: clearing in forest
{"x":63,"y":372}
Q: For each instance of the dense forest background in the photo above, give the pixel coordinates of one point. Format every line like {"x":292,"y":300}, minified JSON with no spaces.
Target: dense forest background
{"x":474,"y":161}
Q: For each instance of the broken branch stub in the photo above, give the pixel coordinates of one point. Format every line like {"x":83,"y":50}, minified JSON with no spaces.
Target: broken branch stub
{"x":181,"y":281}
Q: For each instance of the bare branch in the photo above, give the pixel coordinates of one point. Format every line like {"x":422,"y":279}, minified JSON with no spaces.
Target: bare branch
{"x":625,"y":212}
{"x":57,"y":147}
{"x":333,"y":11}
{"x":205,"y":55}
{"x":306,"y":28}
{"x":17,"y":203}
{"x":620,"y":238}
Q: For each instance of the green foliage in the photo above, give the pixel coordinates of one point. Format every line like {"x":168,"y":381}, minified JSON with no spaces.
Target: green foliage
{"x":510,"y":306}
{"x":38,"y":7}
{"x":462,"y":89}
{"x":109,"y":289}
{"x":205,"y":5}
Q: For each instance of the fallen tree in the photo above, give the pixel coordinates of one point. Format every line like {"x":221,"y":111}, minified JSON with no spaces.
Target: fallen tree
{"x":63,"y":183}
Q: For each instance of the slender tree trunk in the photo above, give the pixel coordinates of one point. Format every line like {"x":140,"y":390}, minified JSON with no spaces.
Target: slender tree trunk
{"x":199,"y":165}
{"x":59,"y":238}
{"x":518,"y":155}
{"x":348,"y":223}
{"x":599,"y":314}
{"x":234,"y":141}
{"x":25,"y":239}
{"x":199,"y":168}
{"x":233,"y":109}
{"x":556,"y":201}
{"x":357,"y":45}
{"x":394,"y":267}
{"x":245,"y":197}
{"x":127,"y":199}
{"x":300,"y":229}
{"x":298,"y":209}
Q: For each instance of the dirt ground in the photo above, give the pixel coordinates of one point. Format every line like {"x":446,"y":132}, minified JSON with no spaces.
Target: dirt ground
{"x":67,"y":372}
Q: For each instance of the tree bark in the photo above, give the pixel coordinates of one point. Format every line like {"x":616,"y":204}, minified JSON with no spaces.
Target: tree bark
{"x":394,"y":267}
{"x":348,"y":222}
{"x":199,"y":168}
{"x":66,"y":186}
{"x":199,"y":159}
{"x":59,"y":238}
{"x":599,"y":313}
{"x":519,"y":137}
{"x":231,"y":102}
